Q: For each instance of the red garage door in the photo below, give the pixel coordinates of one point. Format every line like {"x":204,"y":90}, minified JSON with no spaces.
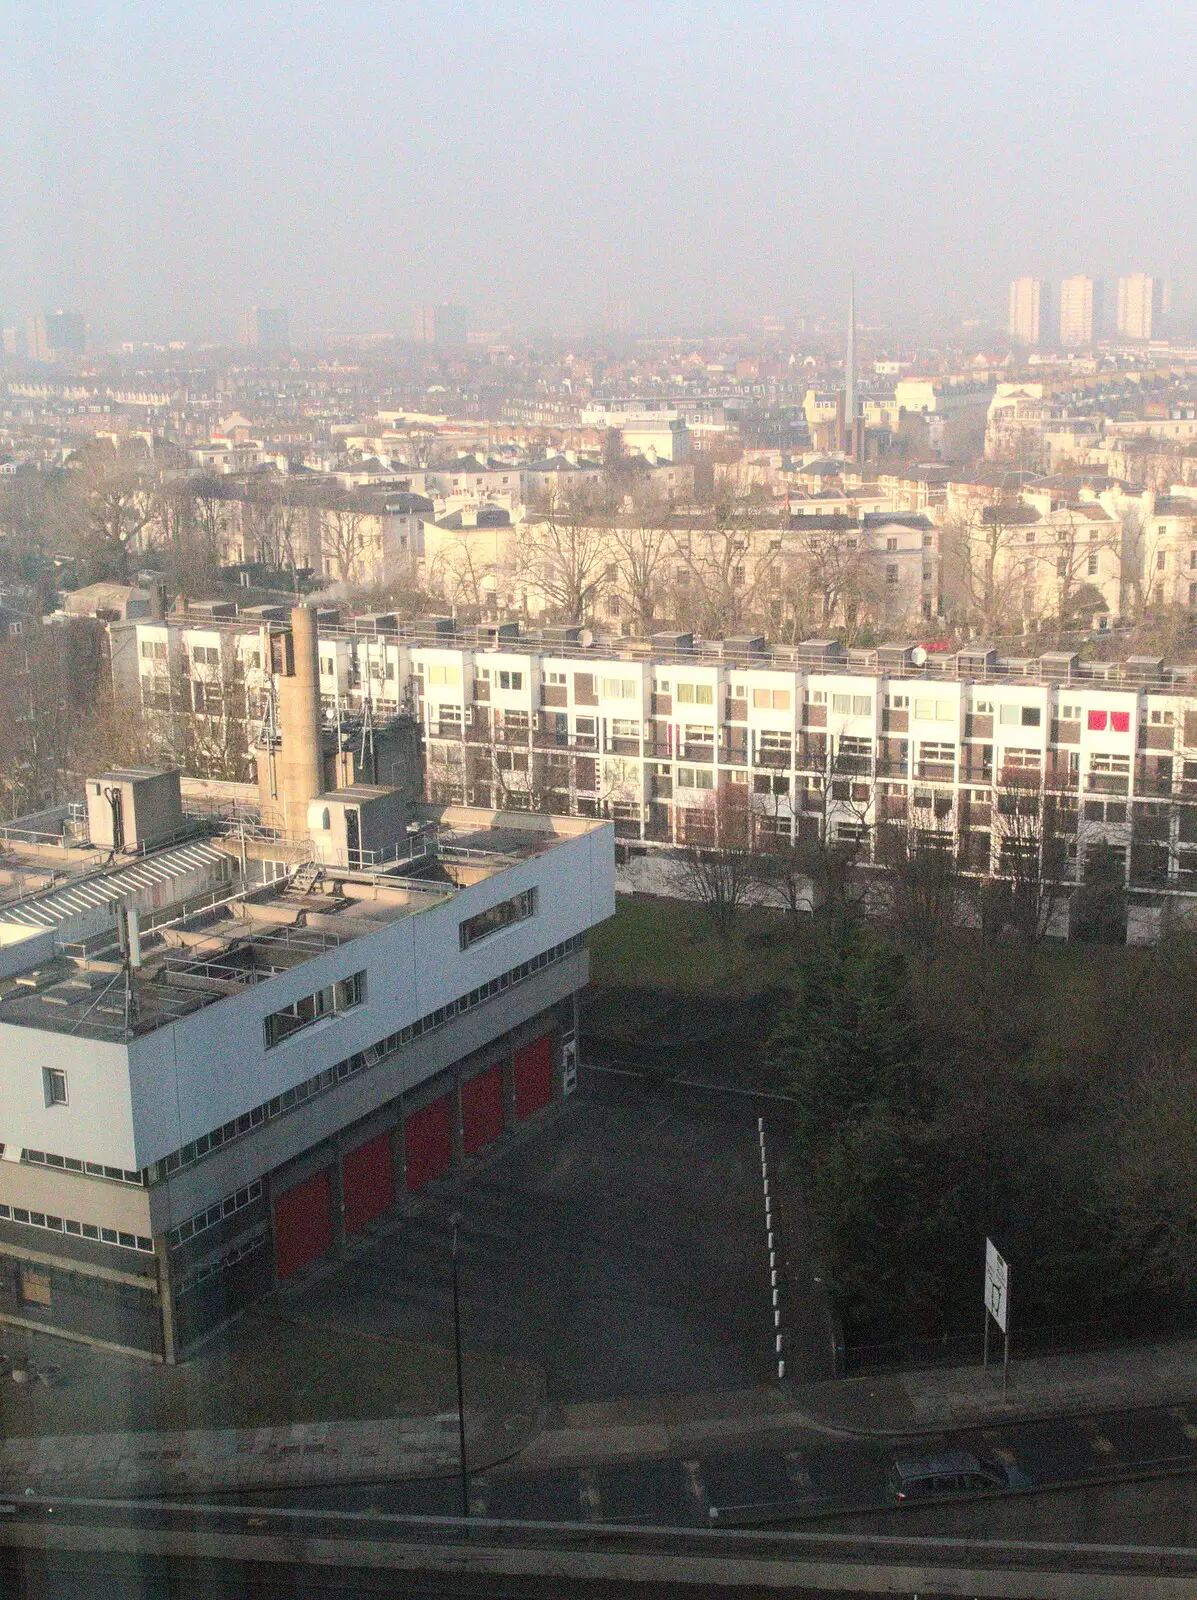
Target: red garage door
{"x":368,"y":1182}
{"x":533,"y":1068}
{"x":428,"y":1142}
{"x":303,"y":1224}
{"x":481,"y":1110}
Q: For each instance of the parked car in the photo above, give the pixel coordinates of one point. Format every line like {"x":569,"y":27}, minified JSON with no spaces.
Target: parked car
{"x":954,"y":1472}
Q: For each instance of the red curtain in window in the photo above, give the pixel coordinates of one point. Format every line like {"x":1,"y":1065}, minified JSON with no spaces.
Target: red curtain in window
{"x":1097,"y":721}
{"x":1120,"y":721}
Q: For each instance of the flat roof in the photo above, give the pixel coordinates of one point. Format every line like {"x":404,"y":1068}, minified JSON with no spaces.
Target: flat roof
{"x":199,"y":949}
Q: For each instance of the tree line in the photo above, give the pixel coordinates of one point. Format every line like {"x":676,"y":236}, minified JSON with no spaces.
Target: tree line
{"x":958,"y":1073}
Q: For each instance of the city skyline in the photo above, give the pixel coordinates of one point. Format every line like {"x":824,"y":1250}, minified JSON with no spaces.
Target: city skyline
{"x":678,"y":195}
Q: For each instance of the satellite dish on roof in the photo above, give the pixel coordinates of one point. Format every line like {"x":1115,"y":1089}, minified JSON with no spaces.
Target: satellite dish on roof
{"x":919,"y":656}
{"x":585,"y":638}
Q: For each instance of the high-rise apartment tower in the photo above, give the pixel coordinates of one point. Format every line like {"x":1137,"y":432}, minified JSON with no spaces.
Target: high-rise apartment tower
{"x":1030,"y":311}
{"x":1139,"y":303}
{"x":1080,"y":311}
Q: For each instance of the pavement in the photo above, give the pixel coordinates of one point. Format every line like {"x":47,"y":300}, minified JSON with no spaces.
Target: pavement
{"x":887,"y":1406}
{"x":605,"y":1433}
{"x":222,"y":1460}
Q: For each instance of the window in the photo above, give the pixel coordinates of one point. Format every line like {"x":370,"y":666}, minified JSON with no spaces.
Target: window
{"x":1161,"y":560}
{"x":331,"y":1001}
{"x":443,"y":676}
{"x":624,"y":728}
{"x":891,"y":545}
{"x":619,"y":688}
{"x":695,"y":694}
{"x":510,"y":680}
{"x":1019,"y":716}
{"x":1119,"y":766}
{"x":897,"y":702}
{"x":1070,"y":713}
{"x":508,"y":912}
{"x":771,"y":699}
{"x":698,"y":733}
{"x":205,"y":655}
{"x":557,"y":679}
{"x":852,"y":705}
{"x":695,"y":778}
{"x":54,"y":1085}
{"x":944,"y":754}
{"x":153,"y":650}
{"x":584,"y":725}
{"x":1162,"y":718}
{"x":935,"y":710}
{"x":1092,"y":564}
{"x":983,"y":708}
{"x":613,"y":605}
{"x":850,"y":745}
{"x":739,"y":691}
{"x":816,"y":697}
{"x":891,"y":574}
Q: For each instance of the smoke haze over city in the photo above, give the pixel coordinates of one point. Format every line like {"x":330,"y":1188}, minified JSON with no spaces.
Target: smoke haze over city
{"x":699,"y":166}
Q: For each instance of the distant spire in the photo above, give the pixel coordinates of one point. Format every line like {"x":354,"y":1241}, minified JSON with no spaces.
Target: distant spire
{"x":850,"y":369}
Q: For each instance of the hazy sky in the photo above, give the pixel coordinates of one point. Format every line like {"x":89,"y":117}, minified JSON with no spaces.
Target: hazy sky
{"x":162,"y":165}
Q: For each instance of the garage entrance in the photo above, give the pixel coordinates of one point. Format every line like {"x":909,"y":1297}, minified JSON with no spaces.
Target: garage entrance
{"x":533,"y":1069}
{"x":428,"y":1142}
{"x":303,"y":1224}
{"x":481,"y":1110}
{"x":367,"y":1182}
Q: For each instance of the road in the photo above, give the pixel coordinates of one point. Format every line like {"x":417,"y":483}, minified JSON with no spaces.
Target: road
{"x":808,"y":1477}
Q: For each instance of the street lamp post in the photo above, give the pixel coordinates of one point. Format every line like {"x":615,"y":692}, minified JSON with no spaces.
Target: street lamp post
{"x":455,"y":1223}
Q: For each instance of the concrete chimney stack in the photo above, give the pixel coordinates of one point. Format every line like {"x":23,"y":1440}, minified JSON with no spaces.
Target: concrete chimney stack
{"x":301,"y":759}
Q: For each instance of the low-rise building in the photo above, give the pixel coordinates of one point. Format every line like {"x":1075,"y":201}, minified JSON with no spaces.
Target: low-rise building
{"x":226,"y":1052}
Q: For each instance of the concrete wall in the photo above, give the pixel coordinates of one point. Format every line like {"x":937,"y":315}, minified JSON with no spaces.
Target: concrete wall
{"x":96,"y":1124}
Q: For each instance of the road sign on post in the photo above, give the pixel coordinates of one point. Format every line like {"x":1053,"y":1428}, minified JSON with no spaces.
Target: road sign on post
{"x":997,"y":1284}
{"x":997,"y":1304}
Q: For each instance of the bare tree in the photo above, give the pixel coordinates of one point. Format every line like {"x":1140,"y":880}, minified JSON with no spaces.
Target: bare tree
{"x":1073,"y":557}
{"x":640,"y":541}
{"x":462,"y":575}
{"x":982,"y":572}
{"x":49,"y":682}
{"x":1030,"y":882}
{"x":270,"y":522}
{"x":211,"y":512}
{"x":719,"y":868}
{"x":727,"y":580}
{"x":562,"y":552}
{"x":924,"y":880}
{"x":117,"y":506}
{"x":343,"y":543}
